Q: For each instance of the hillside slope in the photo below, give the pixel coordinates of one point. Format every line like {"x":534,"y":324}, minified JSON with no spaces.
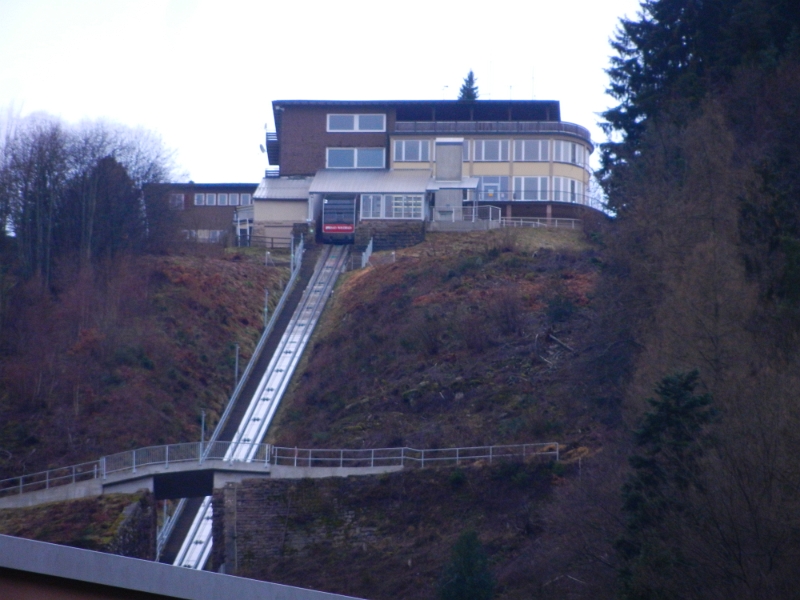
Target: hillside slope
{"x":464,"y":340}
{"x":126,"y":357}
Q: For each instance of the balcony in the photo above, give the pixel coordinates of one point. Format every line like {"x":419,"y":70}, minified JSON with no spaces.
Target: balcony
{"x":521,"y":196}
{"x":504,"y":127}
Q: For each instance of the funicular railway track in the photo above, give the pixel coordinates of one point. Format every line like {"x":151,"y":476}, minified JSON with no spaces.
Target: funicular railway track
{"x":196,"y":547}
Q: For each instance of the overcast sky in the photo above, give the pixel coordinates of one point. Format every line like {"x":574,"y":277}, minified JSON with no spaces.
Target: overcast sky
{"x":203,"y":73}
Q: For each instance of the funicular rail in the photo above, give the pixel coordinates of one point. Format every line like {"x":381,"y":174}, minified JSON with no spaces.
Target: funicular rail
{"x":196,"y":547}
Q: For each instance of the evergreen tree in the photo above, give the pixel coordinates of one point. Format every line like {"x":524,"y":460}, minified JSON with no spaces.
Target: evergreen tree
{"x":672,"y":437}
{"x":469,"y":89}
{"x":467,"y":575}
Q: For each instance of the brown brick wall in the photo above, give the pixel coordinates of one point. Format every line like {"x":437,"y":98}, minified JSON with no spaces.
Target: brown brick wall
{"x":304,"y":137}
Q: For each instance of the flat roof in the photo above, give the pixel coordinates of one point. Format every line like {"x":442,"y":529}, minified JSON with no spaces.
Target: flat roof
{"x":371,"y":181}
{"x":283,"y":188}
{"x":99,"y":568}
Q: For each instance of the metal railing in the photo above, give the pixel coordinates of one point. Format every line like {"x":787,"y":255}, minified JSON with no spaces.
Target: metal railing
{"x":467,"y":213}
{"x":408,"y":457}
{"x":492,"y":127}
{"x":531,"y":196}
{"x":134,"y":460}
{"x":557,"y":223}
{"x":366,"y":254}
{"x":262,"y":241}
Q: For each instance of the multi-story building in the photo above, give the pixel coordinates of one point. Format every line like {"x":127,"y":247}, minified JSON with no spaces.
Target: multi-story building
{"x":204,"y":212}
{"x":415,"y":164}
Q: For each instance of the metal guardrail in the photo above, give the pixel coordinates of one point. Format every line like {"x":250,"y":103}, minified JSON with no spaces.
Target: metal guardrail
{"x":408,"y":457}
{"x":492,"y":127}
{"x":557,"y":223}
{"x":134,"y":460}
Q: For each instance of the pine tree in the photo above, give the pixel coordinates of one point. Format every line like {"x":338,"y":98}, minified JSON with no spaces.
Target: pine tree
{"x":469,"y":89}
{"x":672,"y":438}
{"x":467,"y":575}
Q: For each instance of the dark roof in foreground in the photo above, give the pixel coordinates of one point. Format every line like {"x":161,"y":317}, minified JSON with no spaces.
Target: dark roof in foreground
{"x":22,"y":556}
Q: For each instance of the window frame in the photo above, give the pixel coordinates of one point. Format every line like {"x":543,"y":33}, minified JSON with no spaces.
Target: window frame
{"x":424,"y":155}
{"x":479,"y":150}
{"x":355,"y":152}
{"x":357,"y":127}
{"x":520,"y":155}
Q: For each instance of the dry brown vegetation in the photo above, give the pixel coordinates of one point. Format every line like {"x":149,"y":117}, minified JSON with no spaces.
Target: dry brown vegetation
{"x":452,"y":344}
{"x":124,"y":356}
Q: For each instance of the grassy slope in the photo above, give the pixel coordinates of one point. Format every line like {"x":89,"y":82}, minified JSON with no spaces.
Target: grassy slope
{"x":450,"y":345}
{"x":89,"y":523}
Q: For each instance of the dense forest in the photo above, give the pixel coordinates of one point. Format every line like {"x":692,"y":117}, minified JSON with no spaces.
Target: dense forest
{"x":702,"y":169}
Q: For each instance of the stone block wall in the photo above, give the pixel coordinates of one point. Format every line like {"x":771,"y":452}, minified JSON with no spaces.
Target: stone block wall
{"x":389,"y":235}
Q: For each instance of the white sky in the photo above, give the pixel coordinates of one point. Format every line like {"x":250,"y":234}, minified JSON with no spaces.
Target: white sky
{"x":203,"y":73}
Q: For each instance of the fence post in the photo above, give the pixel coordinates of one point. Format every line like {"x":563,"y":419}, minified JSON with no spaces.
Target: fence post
{"x":104,"y":466}
{"x":20,"y":483}
{"x":403,"y":456}
{"x":134,"y":460}
{"x":95,"y":471}
{"x":372,"y":458}
{"x":73,"y":473}
{"x":490,"y":454}
{"x":166,"y":459}
{"x":295,"y":456}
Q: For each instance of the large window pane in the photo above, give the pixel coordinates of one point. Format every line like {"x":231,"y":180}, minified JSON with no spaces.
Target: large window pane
{"x":341,"y":122}
{"x":371,"y":122}
{"x":370,"y":158}
{"x":491,"y":150}
{"x":341,"y":158}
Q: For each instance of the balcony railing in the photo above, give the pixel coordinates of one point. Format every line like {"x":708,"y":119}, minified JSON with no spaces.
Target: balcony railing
{"x":492,"y":127}
{"x":522,"y":196}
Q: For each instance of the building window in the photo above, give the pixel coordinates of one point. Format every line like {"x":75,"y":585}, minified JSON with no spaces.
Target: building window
{"x":491,"y":150}
{"x":404,"y":207}
{"x":530,"y":188}
{"x":176,"y":201}
{"x":199,"y":199}
{"x":465,"y":151}
{"x":371,"y":206}
{"x":412,"y":150}
{"x":356,"y":122}
{"x":222,"y":199}
{"x":355,"y":158}
{"x":493,"y":188}
{"x":569,"y":152}
{"x":531,"y":150}
{"x":567,"y":190}
{"x":245,"y":199}
{"x":211,"y":199}
{"x":391,"y":206}
{"x":233,"y":199}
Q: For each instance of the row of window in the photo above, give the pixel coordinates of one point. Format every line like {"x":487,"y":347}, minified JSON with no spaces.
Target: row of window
{"x":222,"y":199}
{"x":498,"y":151}
{"x":482,"y":151}
{"x":176,"y":201}
{"x":374,"y":123}
{"x":391,"y":206}
{"x":559,"y":189}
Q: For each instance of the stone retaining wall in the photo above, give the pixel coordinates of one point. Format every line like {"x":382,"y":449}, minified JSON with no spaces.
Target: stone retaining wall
{"x":389,"y":235}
